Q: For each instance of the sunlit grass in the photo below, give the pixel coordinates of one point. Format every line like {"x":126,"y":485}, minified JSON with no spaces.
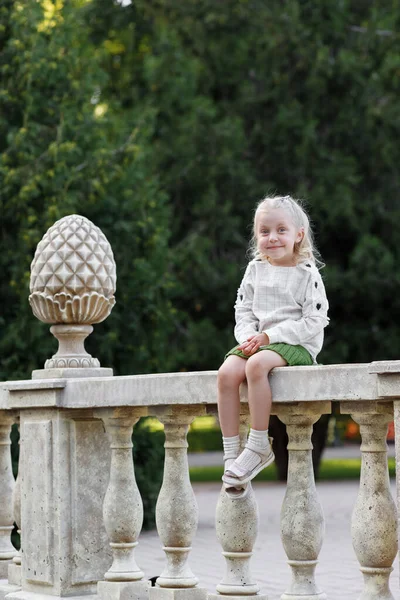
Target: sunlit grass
{"x":330,"y":470}
{"x":208,"y":423}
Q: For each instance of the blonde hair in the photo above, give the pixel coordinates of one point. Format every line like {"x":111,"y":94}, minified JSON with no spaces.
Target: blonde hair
{"x":303,"y":250}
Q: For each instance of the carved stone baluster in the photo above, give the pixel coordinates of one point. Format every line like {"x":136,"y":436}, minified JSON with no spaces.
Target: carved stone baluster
{"x":237,"y":528}
{"x":7,"y":550}
{"x":122,"y":510}
{"x":176,"y":510}
{"x":14,"y":570}
{"x":302,"y":519}
{"x":374,"y":519}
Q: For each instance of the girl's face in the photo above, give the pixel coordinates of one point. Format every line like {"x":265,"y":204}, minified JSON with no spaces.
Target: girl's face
{"x":276,"y":236}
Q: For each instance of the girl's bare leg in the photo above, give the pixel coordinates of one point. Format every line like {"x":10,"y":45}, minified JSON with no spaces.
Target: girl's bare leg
{"x":258,"y":453}
{"x":257,"y":370}
{"x":230,"y":375}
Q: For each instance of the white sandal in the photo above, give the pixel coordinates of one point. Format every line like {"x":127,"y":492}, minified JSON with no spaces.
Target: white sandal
{"x":236,"y":474}
{"x":234,"y":491}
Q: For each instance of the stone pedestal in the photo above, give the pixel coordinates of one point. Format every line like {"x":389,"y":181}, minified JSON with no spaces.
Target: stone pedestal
{"x":6,"y":588}
{"x":66,"y":459}
{"x":157,"y":593}
{"x":123,"y":590}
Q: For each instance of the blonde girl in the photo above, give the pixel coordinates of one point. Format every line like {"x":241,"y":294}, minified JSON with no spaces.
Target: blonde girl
{"x":280,"y":311}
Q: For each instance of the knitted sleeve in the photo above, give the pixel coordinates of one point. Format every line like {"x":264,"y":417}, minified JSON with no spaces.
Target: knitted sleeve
{"x":246,"y":321}
{"x":314,"y":315}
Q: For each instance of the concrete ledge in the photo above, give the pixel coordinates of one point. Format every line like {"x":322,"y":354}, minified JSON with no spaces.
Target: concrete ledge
{"x":352,"y":382}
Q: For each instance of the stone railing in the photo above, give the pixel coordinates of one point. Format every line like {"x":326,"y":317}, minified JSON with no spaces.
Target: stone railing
{"x":81,"y":512}
{"x":76,"y":501}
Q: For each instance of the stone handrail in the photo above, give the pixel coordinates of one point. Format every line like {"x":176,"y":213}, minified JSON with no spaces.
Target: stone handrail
{"x":76,"y":502}
{"x":81,"y":511}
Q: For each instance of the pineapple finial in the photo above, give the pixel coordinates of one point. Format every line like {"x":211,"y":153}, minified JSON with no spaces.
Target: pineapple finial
{"x":73,"y":277}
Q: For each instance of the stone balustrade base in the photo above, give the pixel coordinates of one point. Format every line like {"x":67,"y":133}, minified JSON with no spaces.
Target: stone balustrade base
{"x":123,"y":590}
{"x":157,"y":593}
{"x":4,"y":564}
{"x":14,"y":574}
{"x":6,"y":588}
{"x":318,"y":596}
{"x":228,"y":597}
{"x":25,"y":595}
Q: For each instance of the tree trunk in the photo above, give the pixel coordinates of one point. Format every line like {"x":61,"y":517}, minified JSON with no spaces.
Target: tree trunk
{"x":277,"y":431}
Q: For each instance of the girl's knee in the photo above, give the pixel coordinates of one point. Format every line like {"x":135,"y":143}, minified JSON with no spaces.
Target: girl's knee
{"x":229,"y":377}
{"x":257,"y":367}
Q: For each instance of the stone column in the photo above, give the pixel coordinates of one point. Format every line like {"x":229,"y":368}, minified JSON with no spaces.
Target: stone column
{"x":122,"y":510}
{"x":237,"y":528}
{"x":302,"y":519}
{"x":7,"y":550}
{"x":374,"y":519}
{"x":176,"y":510}
{"x":14,"y":570}
{"x":65,"y":458}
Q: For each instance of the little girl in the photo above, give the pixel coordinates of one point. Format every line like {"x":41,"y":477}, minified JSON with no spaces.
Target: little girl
{"x":280,"y":312}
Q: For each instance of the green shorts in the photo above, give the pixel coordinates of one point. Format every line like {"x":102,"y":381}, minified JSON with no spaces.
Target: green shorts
{"x":295,"y":356}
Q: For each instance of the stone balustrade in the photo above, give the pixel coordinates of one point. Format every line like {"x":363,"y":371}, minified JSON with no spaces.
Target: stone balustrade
{"x":78,"y":507}
{"x":76,"y":502}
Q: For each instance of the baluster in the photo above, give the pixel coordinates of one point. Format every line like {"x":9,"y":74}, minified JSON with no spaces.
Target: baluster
{"x":7,"y":550}
{"x":176,"y":510}
{"x":122,"y":510}
{"x":302,"y":519}
{"x":14,"y":570}
{"x":374,"y":518}
{"x":237,"y":528}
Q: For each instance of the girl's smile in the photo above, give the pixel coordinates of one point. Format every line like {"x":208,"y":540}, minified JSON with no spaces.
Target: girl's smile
{"x":277,"y":236}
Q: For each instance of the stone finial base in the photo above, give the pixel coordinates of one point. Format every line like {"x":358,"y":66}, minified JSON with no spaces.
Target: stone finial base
{"x":68,"y":373}
{"x":71,"y":352}
{"x":123,"y":590}
{"x":158,"y":593}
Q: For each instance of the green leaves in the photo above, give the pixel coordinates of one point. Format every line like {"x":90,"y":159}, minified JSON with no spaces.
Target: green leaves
{"x":165,"y":126}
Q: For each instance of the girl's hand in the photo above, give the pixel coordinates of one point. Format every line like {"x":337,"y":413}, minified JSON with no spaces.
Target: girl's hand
{"x":253,"y":343}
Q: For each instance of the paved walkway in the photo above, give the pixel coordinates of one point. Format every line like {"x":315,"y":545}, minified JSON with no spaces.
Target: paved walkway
{"x":337,"y":573}
{"x":208,"y":459}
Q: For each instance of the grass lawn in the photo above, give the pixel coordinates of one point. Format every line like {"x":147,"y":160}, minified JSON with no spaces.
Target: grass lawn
{"x":331,"y":470}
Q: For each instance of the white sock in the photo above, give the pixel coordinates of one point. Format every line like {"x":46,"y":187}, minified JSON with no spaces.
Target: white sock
{"x":231,"y":449}
{"x":249,"y":459}
{"x":258,"y":439}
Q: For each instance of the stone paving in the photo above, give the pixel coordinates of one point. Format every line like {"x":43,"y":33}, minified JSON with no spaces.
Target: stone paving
{"x":337,"y":573}
{"x":208,"y":459}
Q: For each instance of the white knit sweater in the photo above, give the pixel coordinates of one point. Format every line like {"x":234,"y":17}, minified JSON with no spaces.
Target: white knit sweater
{"x":289,"y":304}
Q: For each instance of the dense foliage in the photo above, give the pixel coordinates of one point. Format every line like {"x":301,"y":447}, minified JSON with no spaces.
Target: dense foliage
{"x":164,"y":123}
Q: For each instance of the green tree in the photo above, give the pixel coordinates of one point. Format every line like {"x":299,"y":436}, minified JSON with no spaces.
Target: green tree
{"x":302,"y":101}
{"x":65,"y":149}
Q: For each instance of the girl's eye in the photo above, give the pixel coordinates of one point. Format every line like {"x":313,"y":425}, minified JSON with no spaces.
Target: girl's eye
{"x":282,"y":230}
{"x":264,"y":231}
